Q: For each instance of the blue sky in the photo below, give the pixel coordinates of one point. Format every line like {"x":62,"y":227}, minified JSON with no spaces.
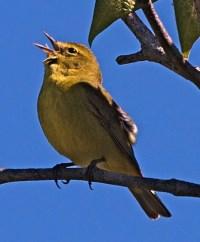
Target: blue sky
{"x":164,"y":106}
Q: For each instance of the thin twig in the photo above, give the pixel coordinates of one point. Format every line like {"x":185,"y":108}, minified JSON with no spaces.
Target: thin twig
{"x":168,"y":45}
{"x":160,"y":31}
{"x":157,"y":47}
{"x":173,"y":186}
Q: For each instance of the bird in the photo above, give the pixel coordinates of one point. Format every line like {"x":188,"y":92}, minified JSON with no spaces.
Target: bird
{"x":81,"y":120}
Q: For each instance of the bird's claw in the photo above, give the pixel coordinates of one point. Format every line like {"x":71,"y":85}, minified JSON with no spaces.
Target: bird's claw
{"x":56,"y":170}
{"x":91,"y":167}
{"x":65,"y":182}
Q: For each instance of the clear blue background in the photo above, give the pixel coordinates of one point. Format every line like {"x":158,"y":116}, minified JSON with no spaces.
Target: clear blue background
{"x":164,"y":106}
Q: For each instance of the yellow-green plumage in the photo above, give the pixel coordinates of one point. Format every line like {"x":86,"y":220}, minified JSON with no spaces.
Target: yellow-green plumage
{"x":83,"y":123}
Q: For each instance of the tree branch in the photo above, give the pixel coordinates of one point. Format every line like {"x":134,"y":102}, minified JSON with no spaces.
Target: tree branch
{"x":173,"y":186}
{"x":157,"y":47}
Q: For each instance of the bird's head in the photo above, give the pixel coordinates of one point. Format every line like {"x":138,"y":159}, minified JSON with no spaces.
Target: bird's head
{"x":67,"y":59}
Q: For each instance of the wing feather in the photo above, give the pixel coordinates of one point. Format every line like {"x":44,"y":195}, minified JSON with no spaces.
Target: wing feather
{"x":115,"y":121}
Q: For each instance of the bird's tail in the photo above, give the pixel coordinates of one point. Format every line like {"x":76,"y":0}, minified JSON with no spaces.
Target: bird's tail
{"x":150,"y":203}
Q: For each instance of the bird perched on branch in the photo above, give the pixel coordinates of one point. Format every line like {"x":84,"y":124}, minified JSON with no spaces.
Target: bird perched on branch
{"x":82,"y":121}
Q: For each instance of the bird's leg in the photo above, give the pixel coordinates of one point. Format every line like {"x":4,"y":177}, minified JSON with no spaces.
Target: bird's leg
{"x":56,"y":169}
{"x":91,"y":167}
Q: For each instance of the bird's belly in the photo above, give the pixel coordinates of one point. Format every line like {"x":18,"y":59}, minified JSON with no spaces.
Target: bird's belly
{"x":74,"y":132}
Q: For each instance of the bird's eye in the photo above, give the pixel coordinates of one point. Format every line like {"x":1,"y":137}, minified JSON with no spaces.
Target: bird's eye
{"x":72,"y":51}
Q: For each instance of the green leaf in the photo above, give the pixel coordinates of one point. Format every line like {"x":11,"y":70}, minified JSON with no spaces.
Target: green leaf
{"x":106,"y":12}
{"x":187,"y":24}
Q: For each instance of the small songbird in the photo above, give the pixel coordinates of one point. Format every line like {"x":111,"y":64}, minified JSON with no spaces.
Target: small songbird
{"x":82,"y":121}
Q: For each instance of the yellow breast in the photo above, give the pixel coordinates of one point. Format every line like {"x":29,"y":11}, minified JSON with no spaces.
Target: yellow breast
{"x":74,"y":131}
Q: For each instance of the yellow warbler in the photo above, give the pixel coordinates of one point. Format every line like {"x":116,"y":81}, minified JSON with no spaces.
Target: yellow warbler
{"x":81,"y":120}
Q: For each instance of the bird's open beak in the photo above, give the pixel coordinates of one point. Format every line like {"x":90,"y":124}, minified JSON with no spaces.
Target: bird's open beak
{"x":51,"y":53}
{"x":46,"y":48}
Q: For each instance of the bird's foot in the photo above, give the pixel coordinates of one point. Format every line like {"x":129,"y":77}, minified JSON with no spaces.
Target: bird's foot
{"x":90,"y":169}
{"x":56,"y":169}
